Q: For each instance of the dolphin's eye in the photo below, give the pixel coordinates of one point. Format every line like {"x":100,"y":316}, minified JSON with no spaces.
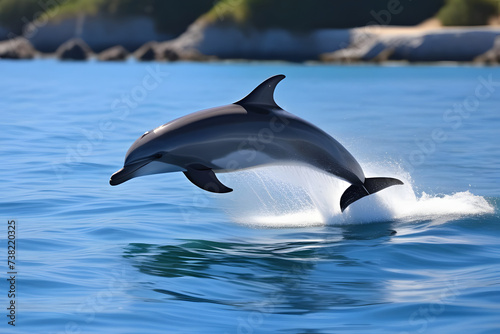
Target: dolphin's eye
{"x":158,"y":155}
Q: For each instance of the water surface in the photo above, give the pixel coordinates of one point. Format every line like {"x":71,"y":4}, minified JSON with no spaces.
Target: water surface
{"x":157,"y":254}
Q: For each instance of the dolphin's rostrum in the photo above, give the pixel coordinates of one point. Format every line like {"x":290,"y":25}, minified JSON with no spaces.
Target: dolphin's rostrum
{"x":217,"y":140}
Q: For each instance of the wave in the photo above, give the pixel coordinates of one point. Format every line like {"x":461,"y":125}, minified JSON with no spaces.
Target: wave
{"x":300,"y":196}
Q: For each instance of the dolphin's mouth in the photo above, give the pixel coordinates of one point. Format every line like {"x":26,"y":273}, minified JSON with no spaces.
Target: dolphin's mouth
{"x":127,"y":172}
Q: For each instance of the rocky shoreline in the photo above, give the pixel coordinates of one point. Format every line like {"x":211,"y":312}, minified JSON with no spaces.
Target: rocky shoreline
{"x":204,"y":41}
{"x":413,"y":45}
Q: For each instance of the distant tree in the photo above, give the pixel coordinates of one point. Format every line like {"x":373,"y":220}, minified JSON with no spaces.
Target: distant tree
{"x":172,"y":16}
{"x":322,"y":14}
{"x":14,"y":14}
{"x":468,"y":12}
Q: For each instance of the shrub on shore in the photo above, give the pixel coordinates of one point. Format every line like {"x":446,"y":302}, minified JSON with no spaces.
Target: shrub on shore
{"x":170,"y":16}
{"x":321,"y":14}
{"x":468,"y":12}
{"x":14,"y":14}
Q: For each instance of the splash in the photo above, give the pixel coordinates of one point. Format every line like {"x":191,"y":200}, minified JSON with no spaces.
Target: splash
{"x":299,"y":196}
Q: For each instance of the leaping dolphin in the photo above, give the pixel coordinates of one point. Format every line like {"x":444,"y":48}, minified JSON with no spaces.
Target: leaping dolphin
{"x":225,"y":139}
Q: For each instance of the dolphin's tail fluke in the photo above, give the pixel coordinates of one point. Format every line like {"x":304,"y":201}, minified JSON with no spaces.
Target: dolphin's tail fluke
{"x":371,"y":186}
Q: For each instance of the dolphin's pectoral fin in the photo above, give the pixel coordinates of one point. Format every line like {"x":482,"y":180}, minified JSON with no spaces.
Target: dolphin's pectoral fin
{"x":262,"y":97}
{"x":205,"y":179}
{"x":371,"y":186}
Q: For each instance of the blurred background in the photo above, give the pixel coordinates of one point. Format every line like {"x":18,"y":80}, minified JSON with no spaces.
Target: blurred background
{"x":369,"y":30}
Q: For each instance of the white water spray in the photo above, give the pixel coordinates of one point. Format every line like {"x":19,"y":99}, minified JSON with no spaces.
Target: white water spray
{"x":295,"y":196}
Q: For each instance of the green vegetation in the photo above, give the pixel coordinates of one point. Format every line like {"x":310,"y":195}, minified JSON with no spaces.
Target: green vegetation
{"x":171,"y":16}
{"x":16,"y":13}
{"x":468,"y":12}
{"x":317,"y":14}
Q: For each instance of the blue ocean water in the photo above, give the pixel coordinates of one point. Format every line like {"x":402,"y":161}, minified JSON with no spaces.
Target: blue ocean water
{"x":158,"y":255}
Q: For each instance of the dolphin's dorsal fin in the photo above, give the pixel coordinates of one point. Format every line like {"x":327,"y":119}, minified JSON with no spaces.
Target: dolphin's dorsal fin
{"x":263,"y":95}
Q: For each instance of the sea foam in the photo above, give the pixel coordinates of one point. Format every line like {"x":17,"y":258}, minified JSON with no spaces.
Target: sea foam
{"x":296,"y":196}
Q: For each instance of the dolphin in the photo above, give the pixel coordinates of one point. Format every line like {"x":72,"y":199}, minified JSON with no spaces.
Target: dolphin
{"x":252,"y":132}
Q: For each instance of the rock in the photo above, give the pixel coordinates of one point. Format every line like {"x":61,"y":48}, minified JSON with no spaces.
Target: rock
{"x":74,"y":49}
{"x":147,"y":52}
{"x":100,"y":32}
{"x":491,"y":56}
{"x":383,"y":55}
{"x":446,"y":44}
{"x":114,"y":53}
{"x":204,"y":41}
{"x":16,"y":48}
{"x":342,"y":56}
{"x":361,"y":42}
{"x":168,"y":54}
{"x":453,"y":44}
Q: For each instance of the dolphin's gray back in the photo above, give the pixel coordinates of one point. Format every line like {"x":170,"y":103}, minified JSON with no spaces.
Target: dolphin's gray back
{"x":235,"y":137}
